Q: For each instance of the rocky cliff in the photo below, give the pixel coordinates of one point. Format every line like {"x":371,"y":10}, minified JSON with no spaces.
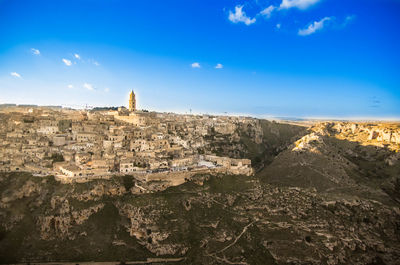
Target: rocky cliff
{"x":324,"y":195}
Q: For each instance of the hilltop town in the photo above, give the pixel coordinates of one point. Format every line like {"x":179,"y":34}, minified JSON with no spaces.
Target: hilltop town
{"x":80,"y":145}
{"x":147,"y":187}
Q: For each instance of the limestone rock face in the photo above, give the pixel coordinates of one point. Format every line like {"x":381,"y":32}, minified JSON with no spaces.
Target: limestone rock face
{"x":384,"y":133}
{"x":306,"y":142}
{"x":58,"y":225}
{"x":100,"y":190}
{"x":81,"y":216}
{"x":26,"y":190}
{"x":325,"y":194}
{"x":232,"y":219}
{"x":142,"y":227}
{"x":395,"y":137}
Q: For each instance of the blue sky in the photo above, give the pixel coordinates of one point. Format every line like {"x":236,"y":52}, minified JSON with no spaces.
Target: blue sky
{"x":285,"y":58}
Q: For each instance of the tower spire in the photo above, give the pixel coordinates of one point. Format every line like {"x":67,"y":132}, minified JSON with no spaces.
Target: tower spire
{"x":132,"y":101}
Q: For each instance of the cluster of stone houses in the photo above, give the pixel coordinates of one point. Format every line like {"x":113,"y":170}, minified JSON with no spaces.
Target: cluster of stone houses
{"x":81,"y":143}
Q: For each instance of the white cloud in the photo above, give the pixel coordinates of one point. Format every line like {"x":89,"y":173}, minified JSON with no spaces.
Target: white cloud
{"x":240,"y":16}
{"x":77,"y":56}
{"x":15,"y":74}
{"x":70,"y":86}
{"x":314,"y":27}
{"x":35,"y":51}
{"x":219,"y":66}
{"x":268,"y":11}
{"x":278,"y":26}
{"x":300,"y":4}
{"x":106,"y":89}
{"x":88,"y":86}
{"x":67,"y":62}
{"x":196,"y":65}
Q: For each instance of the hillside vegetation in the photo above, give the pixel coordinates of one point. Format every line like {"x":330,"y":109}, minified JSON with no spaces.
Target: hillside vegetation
{"x":321,"y":196}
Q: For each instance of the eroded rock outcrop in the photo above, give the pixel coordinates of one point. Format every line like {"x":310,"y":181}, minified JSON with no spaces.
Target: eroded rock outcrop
{"x":28,"y":189}
{"x":58,"y":225}
{"x":143,"y":227}
{"x":99,"y":190}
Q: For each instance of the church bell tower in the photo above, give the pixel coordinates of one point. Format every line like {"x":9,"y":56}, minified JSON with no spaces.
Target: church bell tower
{"x":132,"y":101}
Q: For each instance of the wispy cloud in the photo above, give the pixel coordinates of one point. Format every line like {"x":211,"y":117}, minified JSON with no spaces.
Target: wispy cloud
{"x":268,"y":11}
{"x":35,"y":51}
{"x":67,"y":62}
{"x":219,"y":66}
{"x":77,"y":56}
{"x":88,"y":86}
{"x":94,"y":62}
{"x":70,"y":86}
{"x":240,"y":16}
{"x":300,"y":4}
{"x":314,"y":27}
{"x":15,"y":74}
{"x":349,"y":19}
{"x":106,"y":89}
{"x":196,"y":65}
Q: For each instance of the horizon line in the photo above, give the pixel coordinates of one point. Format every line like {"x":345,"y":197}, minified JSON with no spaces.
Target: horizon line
{"x":231,"y":114}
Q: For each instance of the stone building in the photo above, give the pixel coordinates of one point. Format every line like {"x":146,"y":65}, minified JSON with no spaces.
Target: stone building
{"x":132,"y":101}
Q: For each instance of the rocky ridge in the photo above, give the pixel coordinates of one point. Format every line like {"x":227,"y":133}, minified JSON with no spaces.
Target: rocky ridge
{"x":329,"y":196}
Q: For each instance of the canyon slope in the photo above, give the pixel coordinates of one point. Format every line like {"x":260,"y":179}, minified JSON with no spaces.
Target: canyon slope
{"x":324,"y":194}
